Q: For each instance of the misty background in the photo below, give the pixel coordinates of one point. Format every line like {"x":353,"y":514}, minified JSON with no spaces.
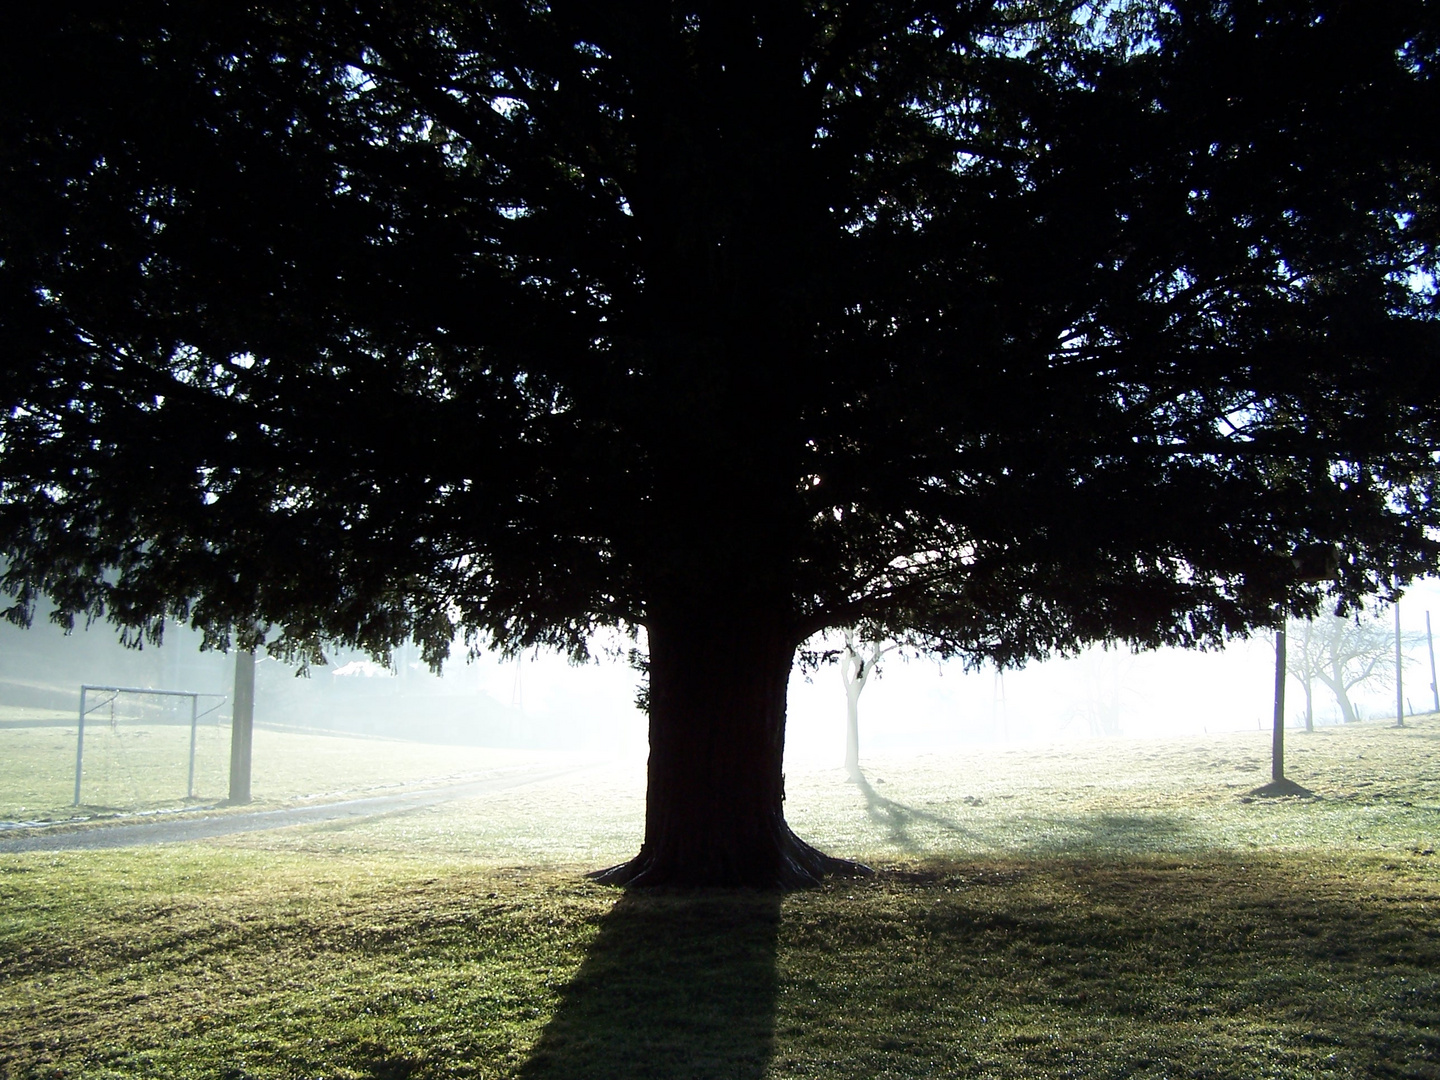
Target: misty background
{"x":540,"y":701}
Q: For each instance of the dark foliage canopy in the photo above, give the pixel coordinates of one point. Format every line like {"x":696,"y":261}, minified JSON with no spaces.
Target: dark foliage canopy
{"x":997,"y":325}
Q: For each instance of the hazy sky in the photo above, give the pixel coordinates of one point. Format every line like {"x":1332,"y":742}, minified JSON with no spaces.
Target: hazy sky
{"x":918,"y":704}
{"x":911,"y":706}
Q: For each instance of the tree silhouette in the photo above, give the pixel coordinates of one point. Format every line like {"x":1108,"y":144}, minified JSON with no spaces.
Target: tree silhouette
{"x":1342,"y":654}
{"x":1003,"y":326}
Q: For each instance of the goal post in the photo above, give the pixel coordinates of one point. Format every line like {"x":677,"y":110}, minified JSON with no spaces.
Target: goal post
{"x":86,"y":689}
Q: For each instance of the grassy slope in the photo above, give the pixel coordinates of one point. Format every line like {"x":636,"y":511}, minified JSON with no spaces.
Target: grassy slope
{"x":139,"y":767}
{"x":1107,"y":910}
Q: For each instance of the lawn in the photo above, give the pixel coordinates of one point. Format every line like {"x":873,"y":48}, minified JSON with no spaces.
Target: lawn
{"x":1103,"y":909}
{"x":140,"y":767}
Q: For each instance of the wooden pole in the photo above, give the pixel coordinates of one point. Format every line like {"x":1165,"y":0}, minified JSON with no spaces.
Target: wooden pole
{"x":80,"y":747}
{"x":1309,"y":687}
{"x":194,"y":722}
{"x":1399,"y":684}
{"x":242,"y":723}
{"x":1430,"y":643}
{"x":1277,"y":743}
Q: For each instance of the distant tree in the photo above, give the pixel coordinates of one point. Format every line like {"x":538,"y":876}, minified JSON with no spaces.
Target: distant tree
{"x":1301,"y":667}
{"x":1101,"y":686}
{"x":855,"y":671}
{"x":1003,"y":326}
{"x":1342,"y":653}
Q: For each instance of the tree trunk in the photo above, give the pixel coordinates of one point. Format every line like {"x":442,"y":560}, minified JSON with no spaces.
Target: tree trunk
{"x":852,"y":730}
{"x":714,"y":806}
{"x":1347,"y":709}
{"x":854,"y":672}
{"x":1336,"y":685}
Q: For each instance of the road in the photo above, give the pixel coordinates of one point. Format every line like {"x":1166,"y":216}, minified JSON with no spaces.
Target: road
{"x":139,"y":834}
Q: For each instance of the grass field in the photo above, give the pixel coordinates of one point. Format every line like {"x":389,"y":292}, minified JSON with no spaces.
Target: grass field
{"x":1104,"y":909}
{"x":136,"y":767}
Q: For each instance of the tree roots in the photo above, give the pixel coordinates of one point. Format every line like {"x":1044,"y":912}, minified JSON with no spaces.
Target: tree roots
{"x":790,"y":864}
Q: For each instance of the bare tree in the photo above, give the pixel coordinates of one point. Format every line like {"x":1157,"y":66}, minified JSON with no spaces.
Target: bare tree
{"x":855,"y":671}
{"x":1342,"y":654}
{"x":1103,"y":675}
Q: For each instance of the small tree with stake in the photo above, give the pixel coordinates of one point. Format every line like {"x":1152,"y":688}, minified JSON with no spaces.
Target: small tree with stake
{"x":855,"y":671}
{"x":988,"y":323}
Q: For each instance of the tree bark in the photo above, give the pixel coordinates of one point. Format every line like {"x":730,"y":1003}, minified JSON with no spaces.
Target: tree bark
{"x":1336,"y":685}
{"x":714,"y":813}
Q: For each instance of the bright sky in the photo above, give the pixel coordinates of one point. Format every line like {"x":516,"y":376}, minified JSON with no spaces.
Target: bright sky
{"x":919,"y":705}
{"x":911,"y":706}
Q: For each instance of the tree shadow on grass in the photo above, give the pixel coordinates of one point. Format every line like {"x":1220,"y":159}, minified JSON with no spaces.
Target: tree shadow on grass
{"x":673,"y":986}
{"x":1105,"y":834}
{"x":1128,"y":832}
{"x":897,"y":817}
{"x":1279,"y":789}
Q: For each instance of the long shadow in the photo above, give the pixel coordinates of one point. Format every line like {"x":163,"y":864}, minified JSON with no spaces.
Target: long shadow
{"x":896,"y":817}
{"x":673,"y":986}
{"x":1104,"y":833}
{"x":1125,"y":833}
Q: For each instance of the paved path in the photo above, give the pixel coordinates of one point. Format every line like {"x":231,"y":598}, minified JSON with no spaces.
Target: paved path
{"x":200,"y":828}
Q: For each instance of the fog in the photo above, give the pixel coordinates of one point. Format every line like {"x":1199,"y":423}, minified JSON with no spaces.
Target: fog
{"x":540,"y":701}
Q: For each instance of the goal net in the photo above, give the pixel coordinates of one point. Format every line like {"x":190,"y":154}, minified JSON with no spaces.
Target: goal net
{"x":137,"y":746}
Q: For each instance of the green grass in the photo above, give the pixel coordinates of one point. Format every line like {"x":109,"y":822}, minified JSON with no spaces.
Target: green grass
{"x":1100,"y":910}
{"x":138,"y":767}
{"x":1379,"y":788}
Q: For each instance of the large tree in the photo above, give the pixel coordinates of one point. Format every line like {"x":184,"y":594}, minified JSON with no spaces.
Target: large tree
{"x":1001,"y":326}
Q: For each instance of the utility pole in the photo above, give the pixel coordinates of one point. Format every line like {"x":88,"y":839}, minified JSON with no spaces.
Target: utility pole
{"x":242,"y":725}
{"x":1399,"y":686}
{"x":1313,"y":563}
{"x":1309,"y":695}
{"x":1277,"y":743}
{"x":1430,"y":644}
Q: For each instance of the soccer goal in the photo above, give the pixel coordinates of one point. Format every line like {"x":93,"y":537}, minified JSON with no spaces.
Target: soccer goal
{"x":88,"y":705}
